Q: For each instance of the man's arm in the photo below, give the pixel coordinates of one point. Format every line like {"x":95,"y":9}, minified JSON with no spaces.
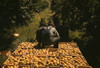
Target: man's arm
{"x":41,"y":28}
{"x":56,"y":34}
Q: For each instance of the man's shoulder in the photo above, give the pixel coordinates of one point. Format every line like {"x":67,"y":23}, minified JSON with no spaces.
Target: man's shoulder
{"x":43,"y":27}
{"x":51,"y":27}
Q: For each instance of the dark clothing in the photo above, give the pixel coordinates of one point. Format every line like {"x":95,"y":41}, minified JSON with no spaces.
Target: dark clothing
{"x":39,"y":35}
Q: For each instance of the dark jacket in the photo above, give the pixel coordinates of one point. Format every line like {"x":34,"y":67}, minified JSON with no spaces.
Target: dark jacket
{"x":39,"y":33}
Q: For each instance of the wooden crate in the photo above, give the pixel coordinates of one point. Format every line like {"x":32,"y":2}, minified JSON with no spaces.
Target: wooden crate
{"x":53,"y":61}
{"x":79,"y":61}
{"x":24,"y":66}
{"x":64,"y":52}
{"x":84,"y":67}
{"x":53,"y":52}
{"x":25,"y":60}
{"x":10,"y":66}
{"x":67,"y":45}
{"x":19,"y":51}
{"x":15,"y":61}
{"x":66,"y":62}
{"x":40,"y":52}
{"x":39,"y":61}
{"x":75,"y":52}
{"x":62,"y":45}
{"x":41,"y":67}
{"x":54,"y":67}
{"x":8,"y":53}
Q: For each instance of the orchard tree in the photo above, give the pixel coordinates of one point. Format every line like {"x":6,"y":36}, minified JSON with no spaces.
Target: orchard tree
{"x":82,"y":16}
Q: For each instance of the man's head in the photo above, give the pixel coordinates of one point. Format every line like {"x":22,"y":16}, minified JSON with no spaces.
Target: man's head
{"x":51,"y":23}
{"x":42,"y":23}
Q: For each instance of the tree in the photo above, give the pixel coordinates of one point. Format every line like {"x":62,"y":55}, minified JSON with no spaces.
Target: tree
{"x":83,"y":16}
{"x":16,"y":13}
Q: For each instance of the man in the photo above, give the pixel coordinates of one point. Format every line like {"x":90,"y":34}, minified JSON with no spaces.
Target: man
{"x":39,"y":32}
{"x":50,"y":35}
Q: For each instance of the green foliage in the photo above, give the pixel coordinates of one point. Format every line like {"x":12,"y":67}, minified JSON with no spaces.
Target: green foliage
{"x":14,"y":14}
{"x":75,"y":34}
{"x":77,"y":15}
{"x":82,"y":16}
{"x":40,"y":5}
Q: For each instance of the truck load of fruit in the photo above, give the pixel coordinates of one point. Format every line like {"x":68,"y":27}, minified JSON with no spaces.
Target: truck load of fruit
{"x":67,"y":55}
